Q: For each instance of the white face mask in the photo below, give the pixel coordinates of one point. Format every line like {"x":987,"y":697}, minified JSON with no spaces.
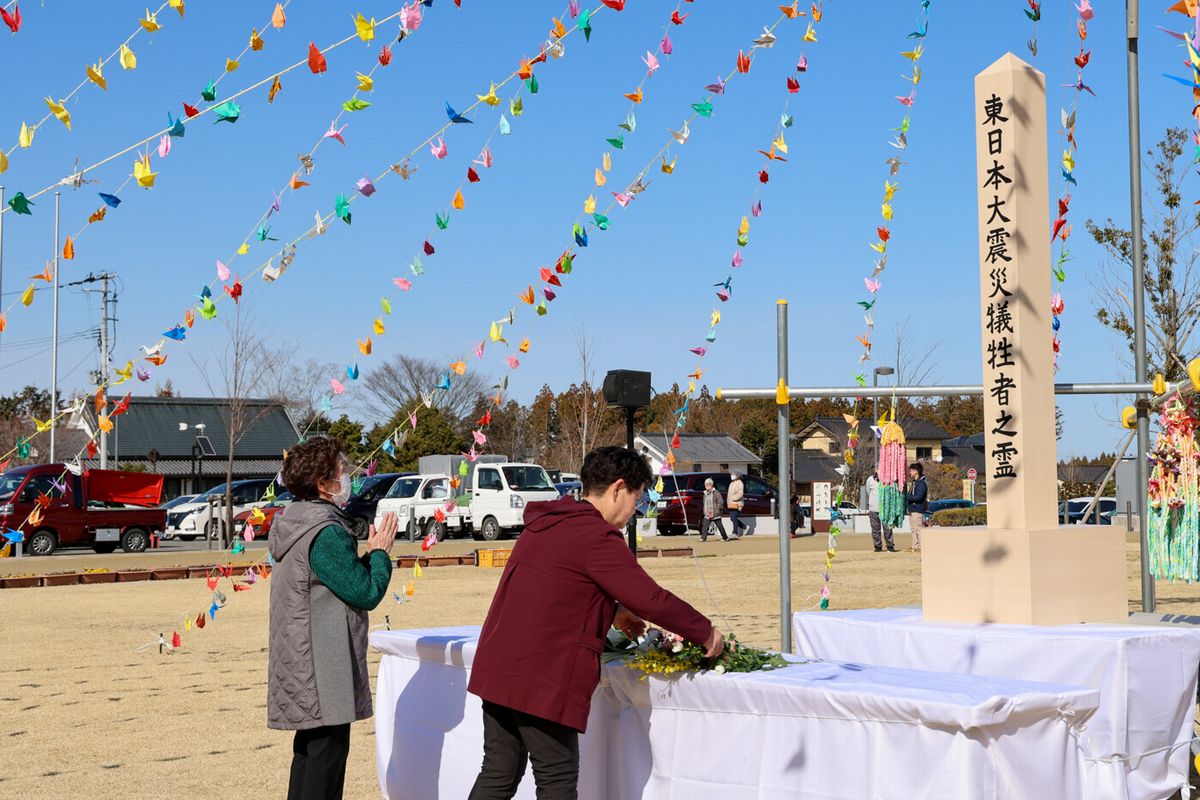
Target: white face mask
{"x":343,"y":492}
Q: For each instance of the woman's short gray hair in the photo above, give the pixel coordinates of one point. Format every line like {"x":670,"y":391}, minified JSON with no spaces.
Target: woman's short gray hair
{"x":708,"y":481}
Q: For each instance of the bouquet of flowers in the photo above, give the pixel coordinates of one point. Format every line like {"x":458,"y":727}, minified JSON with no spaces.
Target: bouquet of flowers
{"x":661,"y":653}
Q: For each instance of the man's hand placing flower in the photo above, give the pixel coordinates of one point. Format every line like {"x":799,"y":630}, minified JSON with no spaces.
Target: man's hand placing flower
{"x":629,"y":623}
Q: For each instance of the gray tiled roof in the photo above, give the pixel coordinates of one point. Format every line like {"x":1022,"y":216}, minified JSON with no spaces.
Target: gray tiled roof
{"x":813,"y":465}
{"x":913,"y":428}
{"x":704,"y":447}
{"x":152,"y":423}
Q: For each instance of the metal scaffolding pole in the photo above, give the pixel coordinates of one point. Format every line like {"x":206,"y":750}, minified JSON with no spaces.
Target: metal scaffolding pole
{"x":800,"y":393}
{"x":1139,"y":288}
{"x":785,"y":481}
{"x":54,"y":344}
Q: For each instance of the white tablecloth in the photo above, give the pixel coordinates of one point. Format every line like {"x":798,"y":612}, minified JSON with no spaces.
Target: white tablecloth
{"x":816,"y":730}
{"x":1135,"y":746}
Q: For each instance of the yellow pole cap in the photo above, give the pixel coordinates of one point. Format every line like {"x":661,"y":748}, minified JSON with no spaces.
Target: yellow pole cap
{"x":1129,"y":417}
{"x":1160,"y":385}
{"x":1194,"y":373}
{"x":719,"y":390}
{"x":781,"y":393}
{"x":781,"y":302}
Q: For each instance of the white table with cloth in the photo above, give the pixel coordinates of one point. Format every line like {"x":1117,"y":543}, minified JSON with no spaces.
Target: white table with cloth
{"x":1135,"y":746}
{"x":812,"y":730}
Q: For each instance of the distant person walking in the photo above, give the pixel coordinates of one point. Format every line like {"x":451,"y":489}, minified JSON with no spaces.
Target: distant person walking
{"x":797,"y":516}
{"x":917,"y":499}
{"x":714,"y":506}
{"x":877,"y":526}
{"x":735,"y":501}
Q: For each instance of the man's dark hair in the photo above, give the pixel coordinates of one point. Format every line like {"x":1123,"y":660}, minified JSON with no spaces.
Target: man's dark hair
{"x":308,"y":463}
{"x":604,"y":466}
{"x":920,"y":470}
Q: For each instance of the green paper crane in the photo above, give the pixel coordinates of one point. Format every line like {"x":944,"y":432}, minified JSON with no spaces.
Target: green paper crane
{"x":228,"y":111}
{"x":341,"y":207}
{"x":210,"y":92}
{"x":20,"y":204}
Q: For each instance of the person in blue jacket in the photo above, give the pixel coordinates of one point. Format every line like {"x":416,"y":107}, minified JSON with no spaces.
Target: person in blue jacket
{"x":916,"y":497}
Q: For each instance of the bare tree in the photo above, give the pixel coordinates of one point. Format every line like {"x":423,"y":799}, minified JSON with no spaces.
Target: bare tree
{"x":582,"y":411}
{"x":293,"y":385}
{"x":239,"y":376}
{"x":406,"y":380}
{"x":913,"y":365}
{"x":1171,"y":278}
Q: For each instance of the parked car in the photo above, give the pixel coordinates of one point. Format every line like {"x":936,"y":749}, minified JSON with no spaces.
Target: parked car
{"x":682,"y":503}
{"x":269,"y":511}
{"x":178,"y":501}
{"x":361,"y":505}
{"x":942,"y":505}
{"x":191,"y":520}
{"x":557,"y":476}
{"x":1100,"y":514}
{"x":102,"y":509}
{"x":489,"y":499}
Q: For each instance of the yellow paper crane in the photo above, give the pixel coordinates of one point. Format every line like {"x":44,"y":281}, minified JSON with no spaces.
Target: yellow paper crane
{"x":177,"y":5}
{"x":27,"y":296}
{"x":606,"y":162}
{"x":25,"y":139}
{"x":142,"y":172}
{"x":459,"y":367}
{"x":95,"y":74}
{"x":524,"y":347}
{"x":779,"y":144}
{"x":495,"y":334}
{"x":600,"y":179}
{"x":589,"y":205}
{"x":365,"y":82}
{"x":715,"y":319}
{"x":231,"y":64}
{"x":668,"y":166}
{"x":490,"y":98}
{"x":364,"y":346}
{"x":42,"y":427}
{"x":889,"y":191}
{"x":744,"y":228}
{"x":378,"y":327}
{"x":127,"y":58}
{"x":104,"y":423}
{"x":124,"y":374}
{"x":256,"y":41}
{"x":886,"y":210}
{"x":810,"y":35}
{"x":150,"y":23}
{"x":364,"y":28}
{"x":3,"y":162}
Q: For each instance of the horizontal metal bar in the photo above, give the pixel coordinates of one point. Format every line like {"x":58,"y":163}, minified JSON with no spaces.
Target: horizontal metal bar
{"x":797,"y":393}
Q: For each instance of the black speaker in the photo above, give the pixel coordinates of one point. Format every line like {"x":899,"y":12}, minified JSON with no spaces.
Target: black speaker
{"x":626,"y":388}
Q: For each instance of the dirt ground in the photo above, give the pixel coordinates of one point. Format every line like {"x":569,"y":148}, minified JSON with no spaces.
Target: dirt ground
{"x":83,"y":714}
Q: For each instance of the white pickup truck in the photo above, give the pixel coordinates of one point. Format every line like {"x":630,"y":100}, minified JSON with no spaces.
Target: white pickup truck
{"x":487,"y":503}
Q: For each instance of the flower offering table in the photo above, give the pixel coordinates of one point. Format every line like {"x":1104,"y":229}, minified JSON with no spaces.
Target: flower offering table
{"x":1135,"y":746}
{"x":816,"y":729}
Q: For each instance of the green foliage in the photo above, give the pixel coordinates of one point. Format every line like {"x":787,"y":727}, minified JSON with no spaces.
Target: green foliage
{"x":663,"y":654}
{"x":960,"y":517}
{"x":433,"y":435}
{"x":351,"y":434}
{"x":29,"y":402}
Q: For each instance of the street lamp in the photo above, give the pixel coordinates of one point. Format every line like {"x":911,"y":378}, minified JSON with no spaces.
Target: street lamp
{"x":875,"y":405}
{"x":200,"y":449}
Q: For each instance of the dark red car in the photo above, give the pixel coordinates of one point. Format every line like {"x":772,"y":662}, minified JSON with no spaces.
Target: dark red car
{"x":102,"y":509}
{"x":682,"y":503}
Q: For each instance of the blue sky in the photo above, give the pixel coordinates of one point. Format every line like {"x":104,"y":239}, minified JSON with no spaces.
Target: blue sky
{"x":642,"y":290}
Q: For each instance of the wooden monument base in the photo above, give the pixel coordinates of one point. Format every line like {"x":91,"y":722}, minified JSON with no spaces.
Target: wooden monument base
{"x":1057,"y":576}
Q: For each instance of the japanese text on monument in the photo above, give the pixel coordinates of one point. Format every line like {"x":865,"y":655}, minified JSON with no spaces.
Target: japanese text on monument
{"x":1001,"y":335}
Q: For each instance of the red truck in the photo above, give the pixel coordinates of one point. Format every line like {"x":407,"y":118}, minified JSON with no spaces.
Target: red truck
{"x":102,"y":509}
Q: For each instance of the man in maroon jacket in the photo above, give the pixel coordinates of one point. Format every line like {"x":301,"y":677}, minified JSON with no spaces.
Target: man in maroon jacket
{"x":538,"y":659}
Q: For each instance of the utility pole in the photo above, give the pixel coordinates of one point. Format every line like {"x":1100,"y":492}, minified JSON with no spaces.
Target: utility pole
{"x":104,"y":359}
{"x":102,"y":377}
{"x":1,"y":241}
